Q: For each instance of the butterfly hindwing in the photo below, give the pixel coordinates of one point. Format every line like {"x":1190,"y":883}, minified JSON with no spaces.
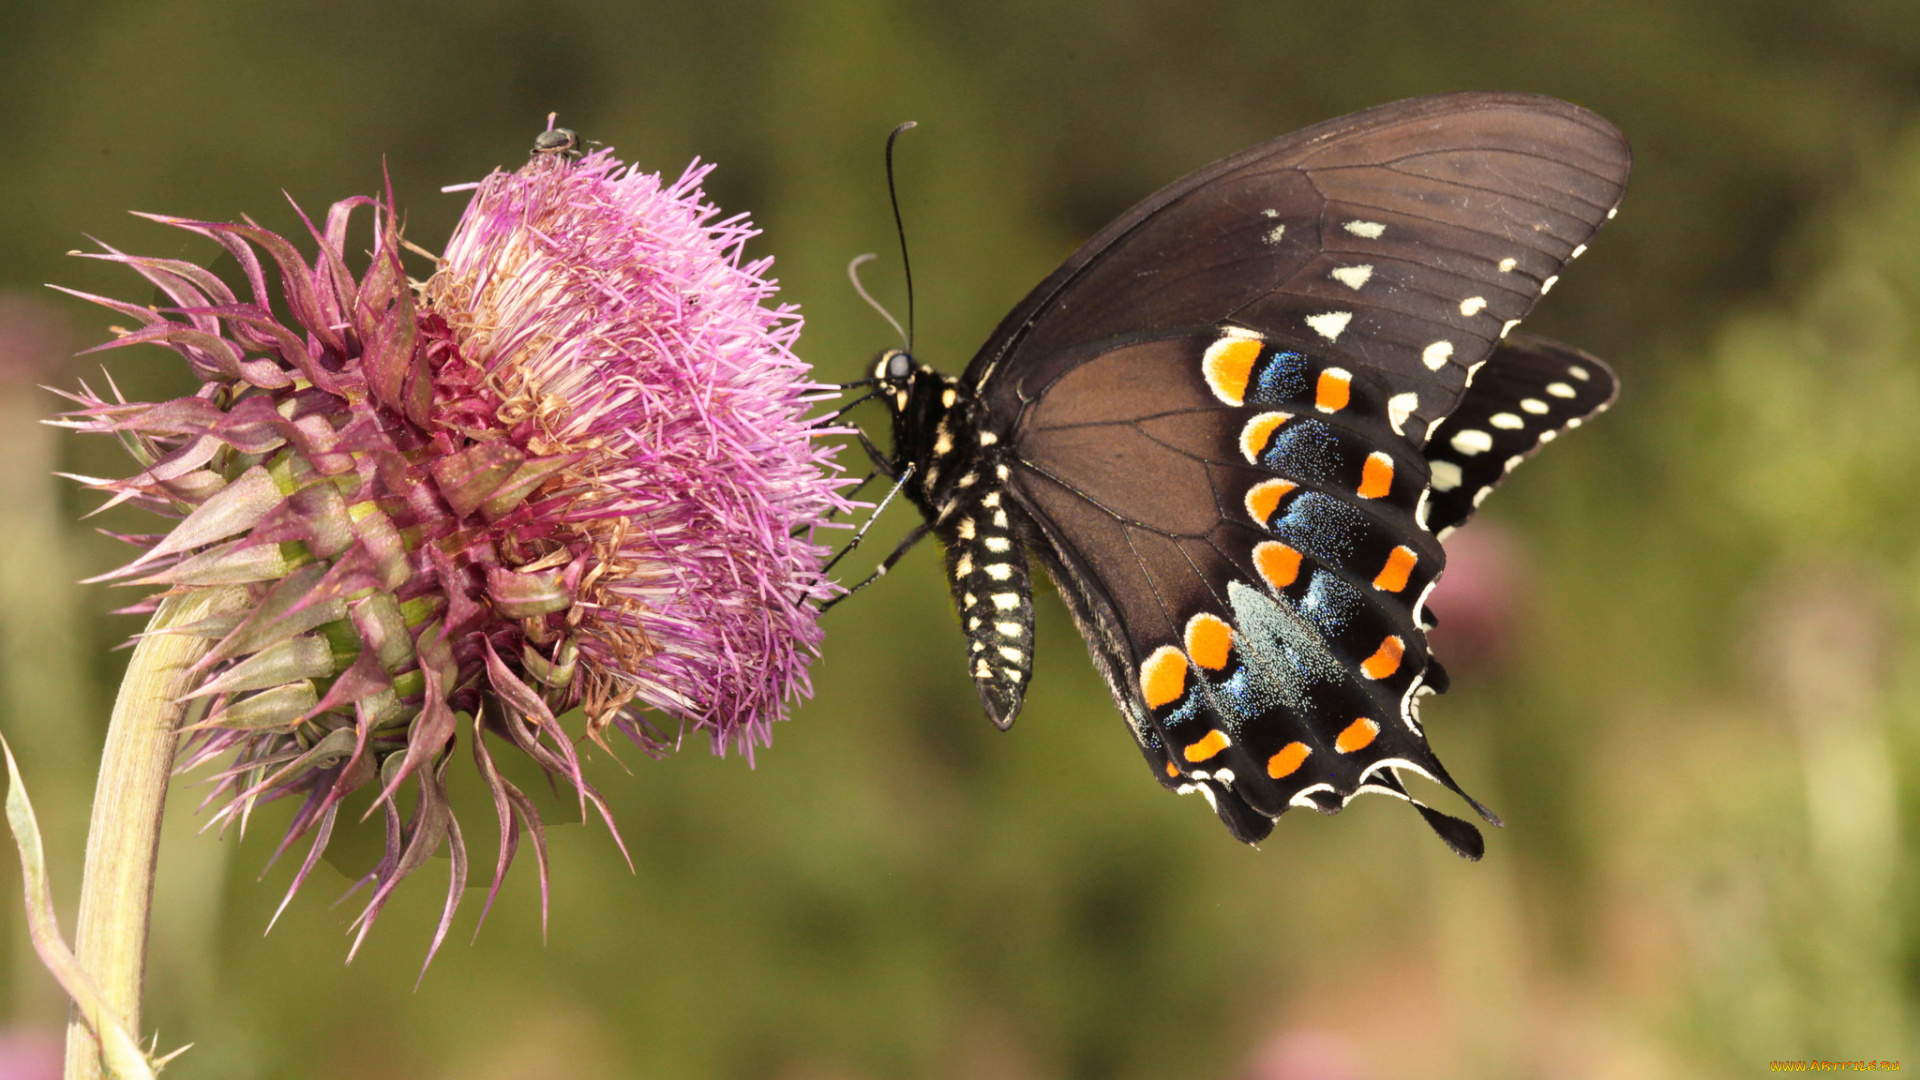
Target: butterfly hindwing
{"x":1243,"y":551}
{"x":1529,"y":391}
{"x":1407,"y":239}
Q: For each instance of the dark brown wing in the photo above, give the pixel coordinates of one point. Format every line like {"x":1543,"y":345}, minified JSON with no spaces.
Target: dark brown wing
{"x":1406,"y":239}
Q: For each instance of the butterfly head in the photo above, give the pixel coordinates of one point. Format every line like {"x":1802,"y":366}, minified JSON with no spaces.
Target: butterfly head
{"x":893,"y":377}
{"x":931,"y":413}
{"x":915,"y":395}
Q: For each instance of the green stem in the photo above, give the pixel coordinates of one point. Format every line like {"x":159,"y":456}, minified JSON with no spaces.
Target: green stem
{"x":123,"y":836}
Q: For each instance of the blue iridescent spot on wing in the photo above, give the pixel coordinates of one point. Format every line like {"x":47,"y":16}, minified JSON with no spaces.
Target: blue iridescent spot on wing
{"x":1286,"y":656}
{"x":1189,"y":712}
{"x":1306,"y":450}
{"x":1283,"y":377}
{"x":1322,"y":526}
{"x":1241,"y":699}
{"x":1331,"y":602}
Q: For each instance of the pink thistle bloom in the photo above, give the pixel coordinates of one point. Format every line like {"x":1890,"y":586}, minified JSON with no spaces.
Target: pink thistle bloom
{"x":571,"y":468}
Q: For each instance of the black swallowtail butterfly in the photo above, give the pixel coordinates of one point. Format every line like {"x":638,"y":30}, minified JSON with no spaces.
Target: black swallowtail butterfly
{"x":1236,"y":424}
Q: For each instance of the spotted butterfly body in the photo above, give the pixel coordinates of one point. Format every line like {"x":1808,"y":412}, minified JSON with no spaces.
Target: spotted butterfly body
{"x":1235,"y":425}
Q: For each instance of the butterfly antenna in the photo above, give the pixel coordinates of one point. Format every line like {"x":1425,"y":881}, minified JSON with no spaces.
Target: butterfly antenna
{"x":893,"y":196}
{"x":853,"y":275}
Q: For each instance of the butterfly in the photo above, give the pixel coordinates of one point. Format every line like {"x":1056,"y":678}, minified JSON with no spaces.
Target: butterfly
{"x":1236,"y":425}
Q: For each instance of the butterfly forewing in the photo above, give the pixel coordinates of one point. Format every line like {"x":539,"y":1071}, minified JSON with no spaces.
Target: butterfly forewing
{"x":1406,"y":238}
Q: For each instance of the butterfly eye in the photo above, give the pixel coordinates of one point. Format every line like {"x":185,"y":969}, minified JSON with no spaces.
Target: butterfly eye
{"x":898,"y":365}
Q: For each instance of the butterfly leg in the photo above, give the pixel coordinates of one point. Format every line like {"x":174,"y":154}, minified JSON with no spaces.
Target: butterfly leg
{"x":849,"y":406}
{"x":881,"y":462}
{"x":918,"y":534}
{"x":871,"y":518}
{"x":862,"y":485}
{"x":850,"y":493}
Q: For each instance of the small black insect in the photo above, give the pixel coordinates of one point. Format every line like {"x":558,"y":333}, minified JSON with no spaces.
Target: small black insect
{"x":1236,"y":424}
{"x":558,"y":140}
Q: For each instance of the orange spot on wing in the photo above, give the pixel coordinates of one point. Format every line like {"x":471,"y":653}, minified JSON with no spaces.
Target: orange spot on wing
{"x":1209,"y":744}
{"x":1386,"y":659}
{"x":1172,"y":769}
{"x":1228,"y":365}
{"x":1264,"y":498}
{"x":1253,"y":437}
{"x":1358,"y":736}
{"x":1289,"y":759}
{"x":1393,"y":576}
{"x":1376,"y":476}
{"x":1209,"y":641}
{"x":1333,"y":390}
{"x":1163,"y":677}
{"x":1277,"y":563}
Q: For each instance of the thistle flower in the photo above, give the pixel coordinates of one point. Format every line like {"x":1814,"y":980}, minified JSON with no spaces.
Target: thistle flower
{"x":571,"y":468}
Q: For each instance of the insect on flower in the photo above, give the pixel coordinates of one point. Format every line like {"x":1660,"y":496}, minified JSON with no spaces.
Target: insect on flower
{"x":562,"y":141}
{"x":571,"y":468}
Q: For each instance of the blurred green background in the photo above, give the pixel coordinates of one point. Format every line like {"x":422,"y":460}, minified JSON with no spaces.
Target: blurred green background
{"x":1685,"y":667}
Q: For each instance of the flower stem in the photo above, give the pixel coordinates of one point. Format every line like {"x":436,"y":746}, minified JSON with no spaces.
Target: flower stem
{"x":123,"y":836}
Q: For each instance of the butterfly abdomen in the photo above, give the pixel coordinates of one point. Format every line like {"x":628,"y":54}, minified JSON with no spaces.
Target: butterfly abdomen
{"x":987,"y":567}
{"x":960,"y":485}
